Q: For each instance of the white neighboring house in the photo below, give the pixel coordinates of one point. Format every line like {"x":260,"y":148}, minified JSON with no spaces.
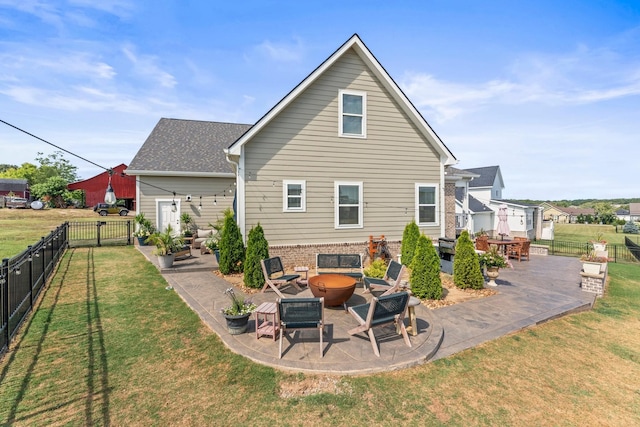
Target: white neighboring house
{"x":483,"y":198}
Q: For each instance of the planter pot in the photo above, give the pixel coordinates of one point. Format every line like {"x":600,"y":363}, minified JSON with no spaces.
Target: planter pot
{"x":598,"y":246}
{"x":492,"y":274}
{"x":166,"y":261}
{"x":593,"y":268}
{"x":216,"y":252}
{"x":141,"y":241}
{"x":237,"y":325}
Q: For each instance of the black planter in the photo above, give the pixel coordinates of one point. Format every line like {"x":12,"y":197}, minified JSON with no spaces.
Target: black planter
{"x":237,"y":325}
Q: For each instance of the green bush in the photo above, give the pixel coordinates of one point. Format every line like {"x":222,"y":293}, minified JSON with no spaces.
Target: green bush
{"x":466,"y":266}
{"x":257,"y":249}
{"x":231,"y":247}
{"x":377,"y":269}
{"x":630,"y":228}
{"x":425,"y":270}
{"x":409,"y":240}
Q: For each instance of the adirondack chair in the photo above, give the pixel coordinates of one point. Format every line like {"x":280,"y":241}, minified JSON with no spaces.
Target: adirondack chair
{"x":274,"y":276}
{"x":301,"y":313}
{"x":381,"y":311}
{"x":390,"y":283}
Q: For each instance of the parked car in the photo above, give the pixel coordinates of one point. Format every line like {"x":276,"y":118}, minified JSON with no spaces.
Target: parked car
{"x":104,"y":209}
{"x":17,"y":202}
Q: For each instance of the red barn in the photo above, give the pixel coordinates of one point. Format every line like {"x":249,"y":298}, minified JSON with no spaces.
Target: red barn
{"x":94,"y":188}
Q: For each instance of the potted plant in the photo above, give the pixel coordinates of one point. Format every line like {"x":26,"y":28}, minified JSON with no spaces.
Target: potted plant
{"x":212,"y":245}
{"x":144,"y":229}
{"x":592,"y":262}
{"x":186,"y":219}
{"x":493,"y":262}
{"x":166,"y":246}
{"x":599,"y":244}
{"x":237,"y":314}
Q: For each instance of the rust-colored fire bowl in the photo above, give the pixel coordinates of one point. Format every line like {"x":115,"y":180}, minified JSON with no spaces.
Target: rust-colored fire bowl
{"x":335,"y":288}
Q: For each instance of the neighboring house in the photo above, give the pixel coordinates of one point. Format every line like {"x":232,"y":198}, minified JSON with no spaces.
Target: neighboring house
{"x":344,"y":156}
{"x":15,"y":187}
{"x":564,"y":215}
{"x":623,"y":214}
{"x":94,"y":188}
{"x":634,"y":211}
{"x":483,"y":199}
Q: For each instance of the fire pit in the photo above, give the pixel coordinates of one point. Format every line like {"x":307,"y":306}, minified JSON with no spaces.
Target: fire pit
{"x":335,"y":288}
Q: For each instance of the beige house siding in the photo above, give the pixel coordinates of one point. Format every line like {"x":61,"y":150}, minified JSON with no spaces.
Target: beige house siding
{"x":209,"y":188}
{"x":302,"y":143}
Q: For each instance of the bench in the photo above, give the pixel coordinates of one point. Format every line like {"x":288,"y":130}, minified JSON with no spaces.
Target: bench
{"x":347,"y":264}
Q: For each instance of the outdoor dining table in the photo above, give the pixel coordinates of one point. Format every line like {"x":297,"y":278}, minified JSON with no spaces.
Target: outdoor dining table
{"x":502,"y":244}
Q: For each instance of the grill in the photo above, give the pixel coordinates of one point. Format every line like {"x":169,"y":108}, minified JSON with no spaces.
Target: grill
{"x":447,"y":252}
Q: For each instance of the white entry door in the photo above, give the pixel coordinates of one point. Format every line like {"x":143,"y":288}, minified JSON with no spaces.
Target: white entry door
{"x":166,"y":215}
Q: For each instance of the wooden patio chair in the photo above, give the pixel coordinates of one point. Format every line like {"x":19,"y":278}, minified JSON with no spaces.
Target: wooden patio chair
{"x":381,"y":311}
{"x":390,"y":283}
{"x":301,"y":313}
{"x":482,"y":243}
{"x":274,"y":276}
{"x":519,"y":250}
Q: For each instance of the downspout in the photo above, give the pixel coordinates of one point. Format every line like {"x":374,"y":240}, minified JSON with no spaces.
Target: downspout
{"x":239,"y":192}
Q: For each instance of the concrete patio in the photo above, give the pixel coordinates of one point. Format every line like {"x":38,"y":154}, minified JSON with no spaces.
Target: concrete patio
{"x":534,"y":291}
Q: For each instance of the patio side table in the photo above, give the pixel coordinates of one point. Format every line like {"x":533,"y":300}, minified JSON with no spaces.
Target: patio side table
{"x":267,"y":322}
{"x":304,"y":281}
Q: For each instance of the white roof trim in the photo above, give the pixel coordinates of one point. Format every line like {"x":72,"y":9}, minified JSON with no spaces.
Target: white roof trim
{"x":365,"y":54}
{"x":133,"y":172}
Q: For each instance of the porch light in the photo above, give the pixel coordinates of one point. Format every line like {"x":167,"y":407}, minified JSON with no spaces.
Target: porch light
{"x":110,"y":195}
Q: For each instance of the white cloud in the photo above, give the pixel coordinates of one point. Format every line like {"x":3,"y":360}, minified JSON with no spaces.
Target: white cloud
{"x":145,"y":66}
{"x":282,"y":52}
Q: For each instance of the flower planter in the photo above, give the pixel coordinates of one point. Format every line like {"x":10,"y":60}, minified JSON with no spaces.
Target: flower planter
{"x":166,"y":261}
{"x":492,"y":274}
{"x":599,"y":246}
{"x":592,"y":268}
{"x":141,"y":241}
{"x":237,"y":324}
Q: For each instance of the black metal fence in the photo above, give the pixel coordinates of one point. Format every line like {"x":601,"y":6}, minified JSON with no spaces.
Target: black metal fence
{"x":23,"y":277}
{"x":617,"y":252}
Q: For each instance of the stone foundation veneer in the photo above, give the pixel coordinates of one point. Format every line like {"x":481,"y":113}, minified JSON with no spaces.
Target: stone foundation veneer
{"x":305,"y":255}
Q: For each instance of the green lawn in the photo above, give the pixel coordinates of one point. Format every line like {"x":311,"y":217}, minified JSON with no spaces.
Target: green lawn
{"x":109,"y":345}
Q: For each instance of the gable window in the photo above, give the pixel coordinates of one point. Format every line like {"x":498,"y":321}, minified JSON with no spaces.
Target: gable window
{"x":353,"y":114}
{"x":426,"y":204}
{"x":293,"y":197}
{"x":348,"y":204}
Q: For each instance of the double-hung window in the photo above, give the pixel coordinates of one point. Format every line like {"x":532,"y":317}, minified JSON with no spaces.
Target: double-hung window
{"x":353,"y":114}
{"x":293,"y":196}
{"x":426,"y":204}
{"x":348,"y":204}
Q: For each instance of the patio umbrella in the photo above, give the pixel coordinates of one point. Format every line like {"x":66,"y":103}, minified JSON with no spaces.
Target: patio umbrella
{"x":503,"y":225}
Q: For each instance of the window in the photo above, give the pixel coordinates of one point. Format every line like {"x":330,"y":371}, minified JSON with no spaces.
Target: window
{"x":353,"y":114}
{"x":348,"y":204}
{"x":293,"y":197}
{"x":426,"y":204}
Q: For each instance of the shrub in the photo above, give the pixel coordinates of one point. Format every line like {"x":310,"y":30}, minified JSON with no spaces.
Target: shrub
{"x":257,"y":249}
{"x":377,"y":269}
{"x":630,"y":228}
{"x":409,"y":240}
{"x":466,"y":267}
{"x":231,"y":247}
{"x":425,"y":270}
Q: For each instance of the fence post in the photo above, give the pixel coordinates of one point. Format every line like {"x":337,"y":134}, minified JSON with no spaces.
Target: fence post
{"x":128,"y":232}
{"x":98,"y":232}
{"x":30,"y":259}
{"x":5,"y":299}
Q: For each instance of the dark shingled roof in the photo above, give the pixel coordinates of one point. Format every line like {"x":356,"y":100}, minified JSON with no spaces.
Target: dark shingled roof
{"x":475,"y":205}
{"x":487,"y":176}
{"x":191,"y":146}
{"x":13,"y":184}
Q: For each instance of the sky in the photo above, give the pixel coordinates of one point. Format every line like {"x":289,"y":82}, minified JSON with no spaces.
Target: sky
{"x":547,"y":90}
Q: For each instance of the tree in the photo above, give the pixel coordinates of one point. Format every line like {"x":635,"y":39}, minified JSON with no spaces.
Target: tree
{"x":466,"y":266}
{"x":630,"y":228}
{"x":231,"y":247}
{"x":425,"y":270}
{"x":53,"y":190}
{"x":409,"y":240}
{"x":257,"y":250}
{"x":4,"y":167}
{"x":52,"y":165}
